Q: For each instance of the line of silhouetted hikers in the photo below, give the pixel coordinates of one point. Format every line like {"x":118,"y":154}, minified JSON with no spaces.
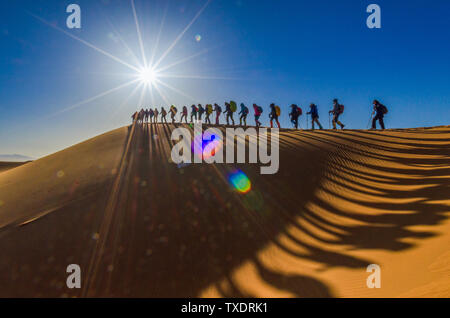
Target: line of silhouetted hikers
{"x":152,"y":115}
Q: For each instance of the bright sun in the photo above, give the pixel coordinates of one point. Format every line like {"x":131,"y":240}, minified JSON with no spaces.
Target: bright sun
{"x":147,"y":75}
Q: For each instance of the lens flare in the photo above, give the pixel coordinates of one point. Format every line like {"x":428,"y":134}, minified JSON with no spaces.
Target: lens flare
{"x":239,"y":181}
{"x":206,"y":145}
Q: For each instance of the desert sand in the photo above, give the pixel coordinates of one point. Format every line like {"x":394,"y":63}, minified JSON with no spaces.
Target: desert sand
{"x":6,"y":165}
{"x":141,"y":226}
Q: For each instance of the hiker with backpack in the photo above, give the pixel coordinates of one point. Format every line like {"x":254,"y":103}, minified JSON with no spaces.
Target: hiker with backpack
{"x":156,"y":112}
{"x":150,"y":115}
{"x":295,"y":113}
{"x":258,"y":112}
{"x":146,"y":114}
{"x":141,"y":116}
{"x":184,"y":114}
{"x":209,"y":110}
{"x":229,"y":112}
{"x":337,"y":110}
{"x":313,"y":111}
{"x":201,"y":111}
{"x":173,"y":112}
{"x":243,"y":113}
{"x":379,"y":110}
{"x":275,"y":112}
{"x":193,"y":113}
{"x":218,"y":111}
{"x":163,"y":115}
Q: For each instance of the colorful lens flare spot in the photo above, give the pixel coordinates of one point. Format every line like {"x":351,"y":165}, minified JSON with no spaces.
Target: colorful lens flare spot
{"x":240,"y":182}
{"x":198,"y":38}
{"x":205,"y":146}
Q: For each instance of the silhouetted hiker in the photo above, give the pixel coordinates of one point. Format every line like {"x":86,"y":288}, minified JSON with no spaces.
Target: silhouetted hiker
{"x":379,"y":110}
{"x":151,"y":114}
{"x":193,"y":113}
{"x":229,"y":113}
{"x":274,"y":113}
{"x":163,"y":115}
{"x":218,"y":111}
{"x":201,"y":110}
{"x":134,"y":116}
{"x":295,"y":113}
{"x":314,"y":115}
{"x":146,"y":114}
{"x":337,"y":110}
{"x":209,"y":110}
{"x":258,"y":112}
{"x":141,"y":115}
{"x":156,"y":112}
{"x":184,"y":114}
{"x":173,"y":112}
{"x":243,"y":113}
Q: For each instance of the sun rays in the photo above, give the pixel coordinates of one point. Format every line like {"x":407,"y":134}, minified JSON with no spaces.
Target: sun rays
{"x":147,"y":72}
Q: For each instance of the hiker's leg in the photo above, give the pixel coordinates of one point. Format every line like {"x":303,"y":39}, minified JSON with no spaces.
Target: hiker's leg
{"x":278,"y":123}
{"x":381,"y":122}
{"x":374,"y":122}
{"x":318,"y":122}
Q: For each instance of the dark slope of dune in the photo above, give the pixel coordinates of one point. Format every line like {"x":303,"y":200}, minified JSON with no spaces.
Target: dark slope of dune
{"x":139,"y":225}
{"x":6,"y":165}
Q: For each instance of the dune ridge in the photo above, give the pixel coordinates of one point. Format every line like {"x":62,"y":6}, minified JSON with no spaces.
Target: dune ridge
{"x":139,"y":225}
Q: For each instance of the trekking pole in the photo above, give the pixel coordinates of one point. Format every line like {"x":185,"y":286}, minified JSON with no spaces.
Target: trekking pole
{"x":329,"y":120}
{"x":368,"y":124}
{"x":307,"y":125}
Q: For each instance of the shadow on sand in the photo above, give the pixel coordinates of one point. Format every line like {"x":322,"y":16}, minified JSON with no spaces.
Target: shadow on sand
{"x":174,"y":231}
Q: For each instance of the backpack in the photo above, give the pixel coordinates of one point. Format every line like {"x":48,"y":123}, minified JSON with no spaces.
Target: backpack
{"x":219,"y":109}
{"x":245,"y":110}
{"x":233,"y":106}
{"x":384,"y":109}
{"x":340,"y":109}
{"x":174,"y":109}
{"x":209,"y":109}
{"x":278,"y":110}
{"x":185,"y":110}
{"x":260,"y":109}
{"x":299,"y":111}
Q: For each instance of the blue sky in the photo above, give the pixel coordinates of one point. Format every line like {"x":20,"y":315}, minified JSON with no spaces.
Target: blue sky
{"x":250,"y":51}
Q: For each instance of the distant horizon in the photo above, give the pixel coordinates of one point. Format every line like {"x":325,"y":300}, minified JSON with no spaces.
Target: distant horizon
{"x":61,"y":86}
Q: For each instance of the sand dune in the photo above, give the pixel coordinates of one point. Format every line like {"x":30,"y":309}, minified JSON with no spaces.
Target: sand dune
{"x":6,"y":165}
{"x":139,"y":225}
